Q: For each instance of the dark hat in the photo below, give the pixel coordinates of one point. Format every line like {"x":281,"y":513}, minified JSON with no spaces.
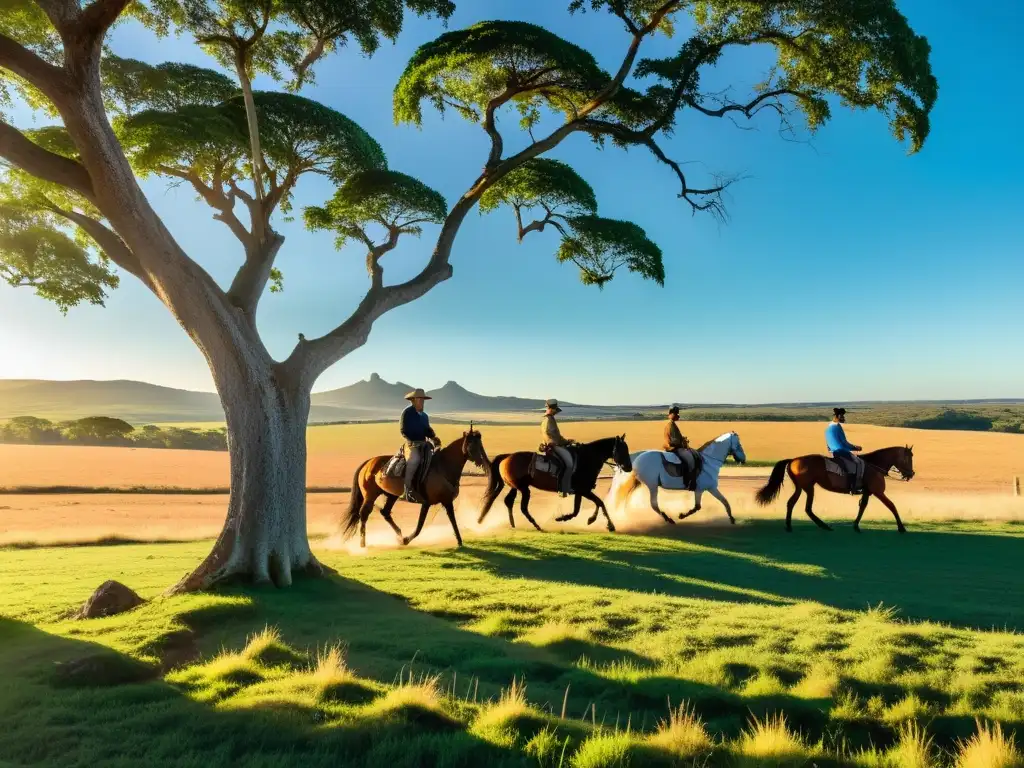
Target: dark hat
{"x":839,"y":411}
{"x":674,"y":409}
{"x":553,"y":405}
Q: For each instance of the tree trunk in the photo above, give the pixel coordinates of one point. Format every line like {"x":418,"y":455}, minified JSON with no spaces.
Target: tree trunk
{"x":264,"y":537}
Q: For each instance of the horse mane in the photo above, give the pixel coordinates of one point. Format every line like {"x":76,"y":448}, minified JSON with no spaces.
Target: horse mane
{"x":712,"y":440}
{"x":875,"y":454}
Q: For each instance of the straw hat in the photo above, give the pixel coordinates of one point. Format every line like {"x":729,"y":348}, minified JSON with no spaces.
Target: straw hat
{"x":418,"y":392}
{"x":553,"y":405}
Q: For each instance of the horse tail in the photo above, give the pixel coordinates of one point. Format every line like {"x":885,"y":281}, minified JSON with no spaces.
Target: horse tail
{"x":623,"y":484}
{"x":494,"y":485}
{"x":350,"y":518}
{"x":770,"y":492}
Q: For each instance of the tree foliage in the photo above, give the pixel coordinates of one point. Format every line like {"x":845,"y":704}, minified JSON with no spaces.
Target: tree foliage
{"x":541,"y":183}
{"x":599,"y":247}
{"x":36,"y":254}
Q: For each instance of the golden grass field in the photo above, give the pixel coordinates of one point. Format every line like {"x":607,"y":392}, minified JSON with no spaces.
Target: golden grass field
{"x":961,"y":475}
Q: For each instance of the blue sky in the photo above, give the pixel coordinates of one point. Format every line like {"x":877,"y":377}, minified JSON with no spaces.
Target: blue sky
{"x":848,"y":269}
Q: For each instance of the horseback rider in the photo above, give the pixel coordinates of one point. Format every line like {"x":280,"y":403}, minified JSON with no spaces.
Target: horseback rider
{"x":552,"y":439}
{"x":842,"y":448}
{"x":675,"y":442}
{"x":418,"y":435}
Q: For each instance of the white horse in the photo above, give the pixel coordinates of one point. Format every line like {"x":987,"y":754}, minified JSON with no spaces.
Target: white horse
{"x":649,"y":470}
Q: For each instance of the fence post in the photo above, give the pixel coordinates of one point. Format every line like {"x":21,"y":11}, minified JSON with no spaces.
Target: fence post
{"x":1016,"y":485}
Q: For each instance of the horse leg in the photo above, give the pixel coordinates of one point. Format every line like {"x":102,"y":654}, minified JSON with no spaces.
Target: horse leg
{"x":577,"y":502}
{"x":450,"y":509}
{"x":364,"y":515}
{"x":696,"y":504}
{"x":654,"y":505}
{"x":810,"y":513}
{"x":789,"y":508}
{"x":860,"y":511}
{"x":419,"y":523}
{"x":892,"y":508}
{"x":386,"y":512}
{"x":524,"y":507}
{"x":510,"y":500}
{"x":599,"y":507}
{"x":725,"y":503}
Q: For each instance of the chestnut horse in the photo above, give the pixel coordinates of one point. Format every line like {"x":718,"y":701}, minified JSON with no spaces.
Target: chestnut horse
{"x":808,"y":471}
{"x":441,"y":486}
{"x":514,"y":469}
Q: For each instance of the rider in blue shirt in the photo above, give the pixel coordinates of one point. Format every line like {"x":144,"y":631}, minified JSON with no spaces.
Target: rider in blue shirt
{"x":835,"y":439}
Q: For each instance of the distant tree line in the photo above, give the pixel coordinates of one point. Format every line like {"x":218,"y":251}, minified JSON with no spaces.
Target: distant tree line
{"x":108,"y":431}
{"x":981,"y":418}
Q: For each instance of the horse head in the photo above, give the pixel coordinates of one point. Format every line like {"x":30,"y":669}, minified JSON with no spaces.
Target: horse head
{"x":473,"y":446}
{"x":620,"y":454}
{"x":905,"y":461}
{"x":736,"y":449}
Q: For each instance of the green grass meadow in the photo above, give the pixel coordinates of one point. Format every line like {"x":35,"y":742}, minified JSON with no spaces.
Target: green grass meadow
{"x":736,"y":646}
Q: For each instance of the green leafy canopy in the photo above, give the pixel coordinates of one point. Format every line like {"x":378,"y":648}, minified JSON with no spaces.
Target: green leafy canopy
{"x":541,"y":182}
{"x":389,"y":199}
{"x":34,"y":253}
{"x":599,"y":247}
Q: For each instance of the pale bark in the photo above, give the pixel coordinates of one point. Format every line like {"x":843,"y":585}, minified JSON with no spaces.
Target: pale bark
{"x":264,"y":537}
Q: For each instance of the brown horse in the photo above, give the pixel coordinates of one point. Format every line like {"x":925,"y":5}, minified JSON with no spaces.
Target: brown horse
{"x":808,"y":471}
{"x":441,"y":486}
{"x":514,"y":469}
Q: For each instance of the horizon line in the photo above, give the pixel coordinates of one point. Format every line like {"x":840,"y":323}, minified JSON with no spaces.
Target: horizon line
{"x":681,"y":404}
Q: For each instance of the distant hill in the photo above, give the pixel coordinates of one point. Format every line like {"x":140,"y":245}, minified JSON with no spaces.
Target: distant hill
{"x":375,"y":399}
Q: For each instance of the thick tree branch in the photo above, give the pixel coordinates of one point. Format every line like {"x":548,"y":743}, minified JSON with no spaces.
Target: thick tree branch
{"x":25,"y":154}
{"x":19,"y":60}
{"x":252,"y":277}
{"x":111,"y":244}
{"x":99,"y":15}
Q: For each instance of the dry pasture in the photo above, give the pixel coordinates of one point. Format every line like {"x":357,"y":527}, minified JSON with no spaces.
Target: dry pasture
{"x":961,"y":475}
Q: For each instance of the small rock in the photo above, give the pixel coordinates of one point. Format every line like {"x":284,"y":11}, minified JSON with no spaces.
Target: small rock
{"x":109,"y":599}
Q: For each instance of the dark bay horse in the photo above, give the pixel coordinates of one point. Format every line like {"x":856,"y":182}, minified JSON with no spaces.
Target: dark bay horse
{"x":808,"y":471}
{"x":514,"y":469}
{"x":441,"y":487}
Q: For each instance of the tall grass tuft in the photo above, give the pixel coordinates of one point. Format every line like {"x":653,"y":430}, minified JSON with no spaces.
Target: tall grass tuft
{"x":683,"y":735}
{"x":769,"y":742}
{"x":989,"y":747}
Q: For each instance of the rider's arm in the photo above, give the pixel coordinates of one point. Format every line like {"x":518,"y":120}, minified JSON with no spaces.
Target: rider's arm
{"x":847,"y":445}
{"x":428,"y":431}
{"x":408,"y":427}
{"x":552,"y":432}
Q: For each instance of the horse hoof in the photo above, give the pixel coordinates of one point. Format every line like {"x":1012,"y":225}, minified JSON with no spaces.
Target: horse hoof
{"x":670,"y":521}
{"x":828,"y":528}
{"x":611,"y":528}
{"x":902,"y":530}
{"x":405,"y":541}
{"x":856,"y":529}
{"x":732,"y":520}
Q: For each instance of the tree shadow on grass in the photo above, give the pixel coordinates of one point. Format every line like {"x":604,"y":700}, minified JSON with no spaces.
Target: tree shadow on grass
{"x":962,"y":577}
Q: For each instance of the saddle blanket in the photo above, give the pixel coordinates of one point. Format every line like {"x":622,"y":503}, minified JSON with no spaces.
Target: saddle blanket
{"x":542,"y":465}
{"x":395,"y":468}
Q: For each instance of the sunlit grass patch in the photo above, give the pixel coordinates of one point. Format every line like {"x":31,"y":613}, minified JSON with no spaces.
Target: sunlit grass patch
{"x":267,"y":649}
{"x":605,"y":750}
{"x":908,"y":709}
{"x":820,"y":682}
{"x":683,"y":735}
{"x":913,"y":749}
{"x":419,"y":702}
{"x":769,"y":742}
{"x":989,"y":747}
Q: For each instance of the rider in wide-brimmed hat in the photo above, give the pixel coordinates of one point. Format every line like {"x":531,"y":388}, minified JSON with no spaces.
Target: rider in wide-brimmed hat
{"x":416,"y":430}
{"x":676,"y":442}
{"x":835,"y":439}
{"x":552,"y":438}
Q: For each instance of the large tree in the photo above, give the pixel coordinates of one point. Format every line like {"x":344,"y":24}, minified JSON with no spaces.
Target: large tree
{"x":73,"y":215}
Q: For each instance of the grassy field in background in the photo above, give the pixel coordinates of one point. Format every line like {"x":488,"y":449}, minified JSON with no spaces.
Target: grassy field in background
{"x":945,"y":461}
{"x":551,"y":650}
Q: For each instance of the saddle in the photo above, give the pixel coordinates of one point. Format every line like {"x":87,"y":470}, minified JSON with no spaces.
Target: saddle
{"x":546,"y":462}
{"x":675,"y":467}
{"x":395,"y":468}
{"x":846,"y":468}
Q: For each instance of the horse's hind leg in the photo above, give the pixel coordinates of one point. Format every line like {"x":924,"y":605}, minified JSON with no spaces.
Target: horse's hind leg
{"x":575,"y":510}
{"x":789,"y":508}
{"x":654,"y":505}
{"x":810,"y":513}
{"x":386,"y":513}
{"x":510,"y":500}
{"x":860,"y":511}
{"x":419,"y":524}
{"x":892,"y":508}
{"x":450,"y":509}
{"x":364,"y":515}
{"x":599,"y":507}
{"x":524,"y":507}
